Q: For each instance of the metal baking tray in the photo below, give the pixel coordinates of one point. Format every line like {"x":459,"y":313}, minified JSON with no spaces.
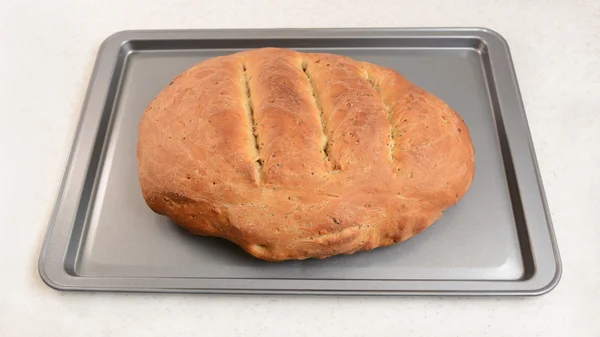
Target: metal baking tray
{"x":497,"y":241}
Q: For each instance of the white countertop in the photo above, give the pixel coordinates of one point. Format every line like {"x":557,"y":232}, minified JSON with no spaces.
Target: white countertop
{"x":47,"y":50}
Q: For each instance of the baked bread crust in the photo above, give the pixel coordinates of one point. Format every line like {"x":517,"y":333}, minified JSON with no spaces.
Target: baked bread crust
{"x":301,"y":155}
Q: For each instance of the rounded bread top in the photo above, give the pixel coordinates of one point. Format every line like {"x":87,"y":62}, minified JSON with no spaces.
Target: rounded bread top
{"x":297,"y":155}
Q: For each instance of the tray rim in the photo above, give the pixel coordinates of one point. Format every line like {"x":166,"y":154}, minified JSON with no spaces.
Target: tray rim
{"x":547,"y":273}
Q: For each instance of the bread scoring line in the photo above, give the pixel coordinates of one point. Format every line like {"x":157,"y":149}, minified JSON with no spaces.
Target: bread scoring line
{"x":249,"y":108}
{"x":387,"y":107}
{"x":325,"y":139}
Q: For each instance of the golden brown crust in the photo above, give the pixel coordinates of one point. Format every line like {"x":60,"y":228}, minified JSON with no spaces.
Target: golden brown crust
{"x":294,"y":155}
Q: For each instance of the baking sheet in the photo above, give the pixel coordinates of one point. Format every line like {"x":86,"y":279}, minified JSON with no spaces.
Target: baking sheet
{"x":497,"y":240}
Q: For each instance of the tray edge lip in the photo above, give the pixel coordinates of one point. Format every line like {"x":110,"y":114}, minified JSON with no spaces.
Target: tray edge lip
{"x":549,"y":283}
{"x":127,"y":35}
{"x":56,"y":277}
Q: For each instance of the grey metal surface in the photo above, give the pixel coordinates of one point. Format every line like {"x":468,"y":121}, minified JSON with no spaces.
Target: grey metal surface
{"x":497,"y":240}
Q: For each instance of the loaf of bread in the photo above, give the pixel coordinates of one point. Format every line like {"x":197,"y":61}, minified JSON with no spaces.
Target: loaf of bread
{"x":301,"y":155}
